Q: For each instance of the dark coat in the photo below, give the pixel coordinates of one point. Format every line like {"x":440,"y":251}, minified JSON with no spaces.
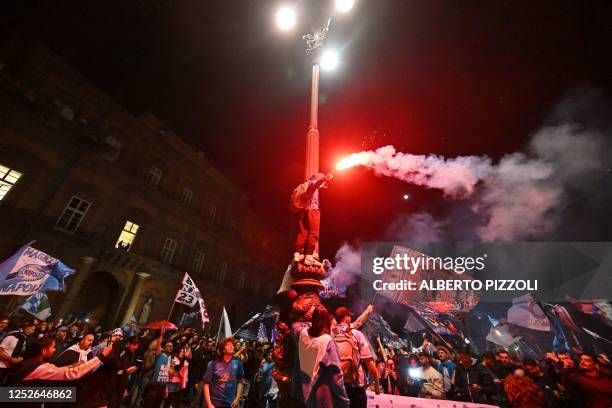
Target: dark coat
{"x":476,"y":374}
{"x":97,"y":388}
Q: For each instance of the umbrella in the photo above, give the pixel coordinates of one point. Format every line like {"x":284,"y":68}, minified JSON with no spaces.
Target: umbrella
{"x":159,"y":324}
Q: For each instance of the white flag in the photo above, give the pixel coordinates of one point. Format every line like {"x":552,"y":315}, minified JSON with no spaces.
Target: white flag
{"x":526,"y":312}
{"x":203,"y":312}
{"x":188,"y":294}
{"x":224,"y":326}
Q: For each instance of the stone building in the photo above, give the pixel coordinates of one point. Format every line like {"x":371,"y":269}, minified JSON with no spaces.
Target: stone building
{"x":123,"y":200}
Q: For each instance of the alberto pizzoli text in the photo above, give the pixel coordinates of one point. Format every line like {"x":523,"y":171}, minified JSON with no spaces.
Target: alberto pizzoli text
{"x":456,"y":284}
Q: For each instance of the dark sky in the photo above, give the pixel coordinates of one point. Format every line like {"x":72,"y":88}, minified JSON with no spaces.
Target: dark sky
{"x":444,"y":77}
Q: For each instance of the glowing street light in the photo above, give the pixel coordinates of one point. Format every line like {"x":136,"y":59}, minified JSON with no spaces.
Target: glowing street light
{"x":344,"y":5}
{"x":326,"y":59}
{"x":329,"y":60}
{"x":285,"y":18}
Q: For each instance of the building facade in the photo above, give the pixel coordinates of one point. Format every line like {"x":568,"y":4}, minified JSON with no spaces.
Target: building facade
{"x":123,"y":200}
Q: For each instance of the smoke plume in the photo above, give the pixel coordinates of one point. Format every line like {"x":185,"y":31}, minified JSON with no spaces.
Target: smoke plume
{"x":521,"y":196}
{"x":556,"y":188}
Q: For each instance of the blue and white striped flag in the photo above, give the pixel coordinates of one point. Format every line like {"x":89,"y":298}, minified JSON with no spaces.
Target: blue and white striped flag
{"x":38,"y":306}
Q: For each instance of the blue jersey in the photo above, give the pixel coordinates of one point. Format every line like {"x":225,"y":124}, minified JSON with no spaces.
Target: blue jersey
{"x":223,"y":380}
{"x":161,"y":369}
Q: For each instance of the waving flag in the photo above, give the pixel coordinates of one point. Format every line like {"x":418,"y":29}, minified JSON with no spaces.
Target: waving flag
{"x":188,"y":318}
{"x":225,"y":329}
{"x":261,"y":332}
{"x":526,"y":312}
{"x":30,"y":271}
{"x":38,"y":306}
{"x":501,"y":336}
{"x":259,"y":325}
{"x":189,"y":295}
{"x":597,"y":307}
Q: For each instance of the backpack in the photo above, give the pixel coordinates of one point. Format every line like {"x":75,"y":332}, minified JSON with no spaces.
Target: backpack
{"x":299,"y":198}
{"x":349,"y":356}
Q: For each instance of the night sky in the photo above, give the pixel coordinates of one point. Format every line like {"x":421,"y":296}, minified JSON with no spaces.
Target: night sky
{"x":443,"y":77}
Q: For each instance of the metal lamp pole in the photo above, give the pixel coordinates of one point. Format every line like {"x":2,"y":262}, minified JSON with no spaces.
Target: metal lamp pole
{"x":314,"y":42}
{"x":312,"y":136}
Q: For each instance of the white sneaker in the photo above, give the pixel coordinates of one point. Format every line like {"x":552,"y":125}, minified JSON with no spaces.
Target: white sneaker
{"x":311,"y":261}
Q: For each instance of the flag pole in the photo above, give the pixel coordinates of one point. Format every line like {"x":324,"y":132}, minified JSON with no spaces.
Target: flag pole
{"x":171,"y":310}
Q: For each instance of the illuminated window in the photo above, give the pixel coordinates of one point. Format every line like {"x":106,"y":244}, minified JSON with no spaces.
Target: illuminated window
{"x":72,"y":215}
{"x":126,"y":238}
{"x":155,"y":174}
{"x":186,"y":197}
{"x":222,"y":271}
{"x":168,"y":250}
{"x":8,"y":178}
{"x":212,"y":213}
{"x":198,"y":261}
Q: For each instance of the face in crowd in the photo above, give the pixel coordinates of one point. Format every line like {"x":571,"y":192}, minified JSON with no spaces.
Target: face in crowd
{"x":49,"y":351}
{"x":533,"y":369}
{"x":168,"y":347}
{"x":228,"y":347}
{"x":504,"y":358}
{"x":132,"y":347}
{"x":4,"y":324}
{"x":86,"y":342}
{"x":588,"y":363}
{"x":465,"y":360}
{"x":489,"y":360}
{"x":424,"y":361}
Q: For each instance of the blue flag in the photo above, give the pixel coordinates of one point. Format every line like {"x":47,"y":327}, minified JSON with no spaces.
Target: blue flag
{"x":188,"y":318}
{"x":38,"y":306}
{"x":30,"y":271}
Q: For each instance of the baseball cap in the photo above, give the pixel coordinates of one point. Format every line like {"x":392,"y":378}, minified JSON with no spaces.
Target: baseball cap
{"x":117,"y":332}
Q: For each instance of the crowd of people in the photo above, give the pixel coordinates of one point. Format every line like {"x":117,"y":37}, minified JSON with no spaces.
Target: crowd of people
{"x":334,"y":365}
{"x":137,"y":367}
{"x":496,"y":378}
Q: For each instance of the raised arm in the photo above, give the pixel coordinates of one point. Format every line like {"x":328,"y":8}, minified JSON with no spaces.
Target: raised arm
{"x":52,"y":372}
{"x":160,"y":340}
{"x":362,"y":318}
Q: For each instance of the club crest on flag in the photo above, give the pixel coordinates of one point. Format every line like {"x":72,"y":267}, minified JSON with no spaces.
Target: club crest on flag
{"x":30,"y":271}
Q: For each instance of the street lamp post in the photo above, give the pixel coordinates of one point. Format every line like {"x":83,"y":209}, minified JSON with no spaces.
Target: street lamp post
{"x":306,"y":278}
{"x":312,"y":136}
{"x":314,"y":43}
